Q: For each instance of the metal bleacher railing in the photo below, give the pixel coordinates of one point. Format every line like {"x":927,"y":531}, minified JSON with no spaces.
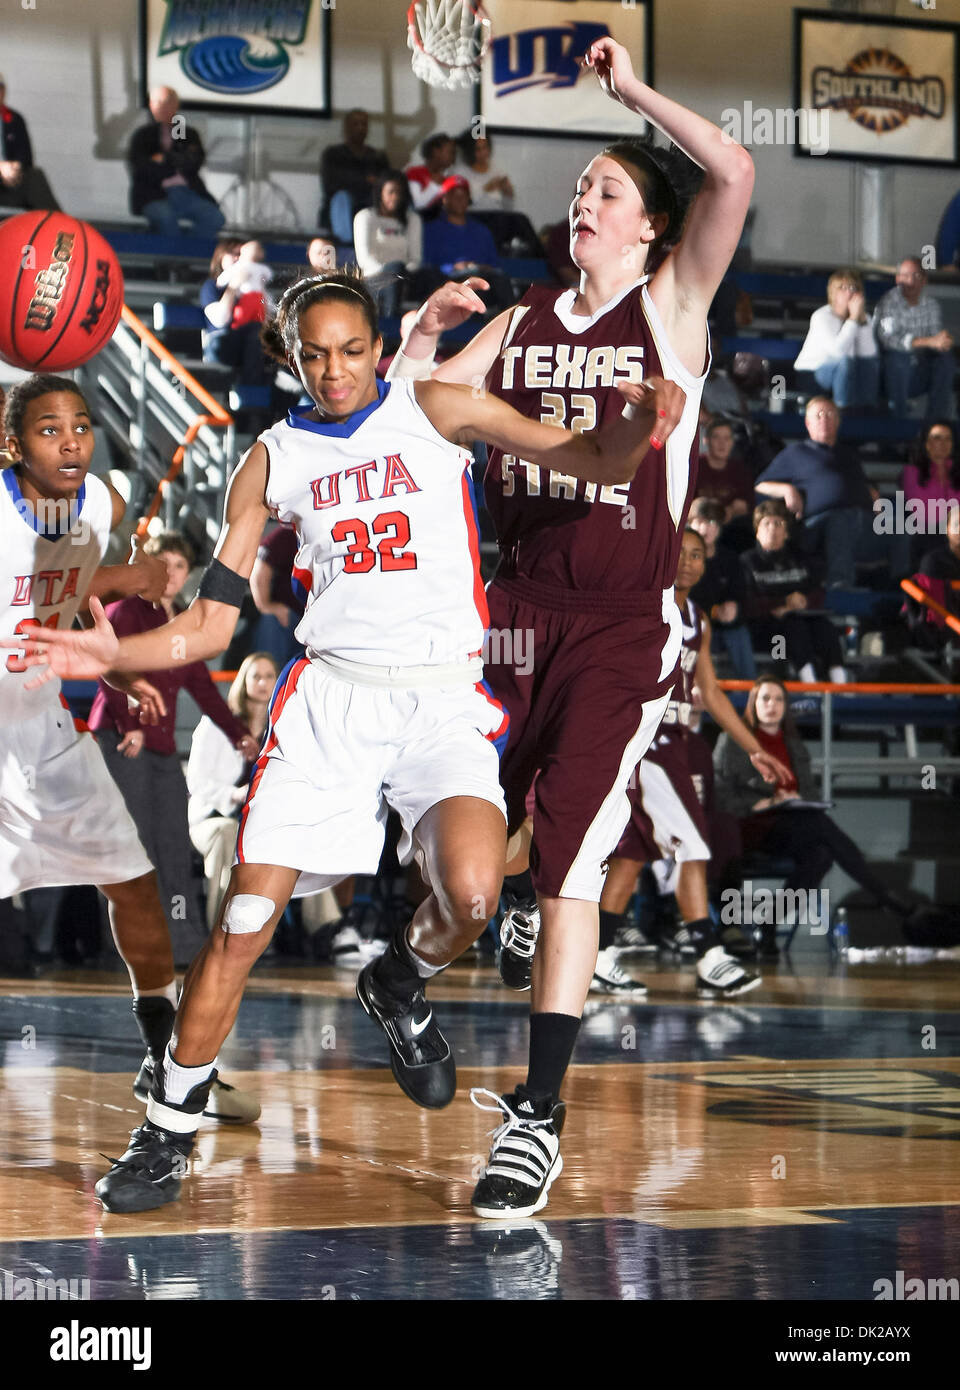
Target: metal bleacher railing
{"x":179,"y":439}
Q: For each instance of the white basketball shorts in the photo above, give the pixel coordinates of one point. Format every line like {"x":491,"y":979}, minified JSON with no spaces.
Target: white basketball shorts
{"x":62,"y":818}
{"x":338,"y":755}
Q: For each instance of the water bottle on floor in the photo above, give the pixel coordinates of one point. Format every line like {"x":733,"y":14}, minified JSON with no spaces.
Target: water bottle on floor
{"x":841,"y":933}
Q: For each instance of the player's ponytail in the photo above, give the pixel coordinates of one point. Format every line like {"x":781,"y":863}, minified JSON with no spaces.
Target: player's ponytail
{"x":280,"y":334}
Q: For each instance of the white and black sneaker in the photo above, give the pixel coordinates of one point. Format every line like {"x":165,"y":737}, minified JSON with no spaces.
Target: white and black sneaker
{"x":524,"y":1157}
{"x":630,"y":940}
{"x":518,"y":941}
{"x":608,"y":978}
{"x":676,"y":938}
{"x":719,"y":976}
{"x":346,"y":947}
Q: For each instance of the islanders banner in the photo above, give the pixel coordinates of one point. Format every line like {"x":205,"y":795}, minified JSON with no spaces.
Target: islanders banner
{"x":530,"y":80}
{"x":239,"y":55}
{"x":882,"y":89}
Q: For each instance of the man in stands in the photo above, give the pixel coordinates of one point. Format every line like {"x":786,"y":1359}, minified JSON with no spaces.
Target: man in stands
{"x":824,"y":486}
{"x":22,"y":185}
{"x":349,"y":173}
{"x":165,"y":158}
{"x":460,"y":246}
{"x":915,"y":349}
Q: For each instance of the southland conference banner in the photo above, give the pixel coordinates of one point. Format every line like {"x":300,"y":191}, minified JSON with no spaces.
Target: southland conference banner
{"x":270,"y":56}
{"x":876,"y":89}
{"x":530,"y":80}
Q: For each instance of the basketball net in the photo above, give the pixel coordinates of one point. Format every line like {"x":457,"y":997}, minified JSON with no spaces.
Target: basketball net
{"x":447,"y":38}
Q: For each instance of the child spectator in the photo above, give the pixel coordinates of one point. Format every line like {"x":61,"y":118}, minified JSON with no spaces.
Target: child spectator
{"x":721,"y":591}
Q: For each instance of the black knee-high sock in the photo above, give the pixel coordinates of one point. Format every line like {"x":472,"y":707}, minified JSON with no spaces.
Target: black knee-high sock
{"x":518,"y":888}
{"x":552,"y":1040}
{"x":610,"y":922}
{"x":154,"y":1015}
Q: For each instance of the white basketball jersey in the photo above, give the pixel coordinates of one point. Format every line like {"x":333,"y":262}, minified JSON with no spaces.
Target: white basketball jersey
{"x":45,"y":574}
{"x":389,"y":553}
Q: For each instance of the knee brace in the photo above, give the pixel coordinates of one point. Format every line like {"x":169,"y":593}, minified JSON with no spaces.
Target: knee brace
{"x":246,"y":913}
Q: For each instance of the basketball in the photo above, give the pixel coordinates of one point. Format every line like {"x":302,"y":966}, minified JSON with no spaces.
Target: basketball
{"x":61,"y":292}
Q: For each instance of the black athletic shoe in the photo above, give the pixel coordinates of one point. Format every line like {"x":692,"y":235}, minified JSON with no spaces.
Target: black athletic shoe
{"x":524,"y":1158}
{"x":419,"y":1053}
{"x":149,"y":1173}
{"x":518,"y":941}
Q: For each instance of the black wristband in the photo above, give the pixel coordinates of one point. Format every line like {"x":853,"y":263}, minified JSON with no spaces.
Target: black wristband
{"x":222,"y":585}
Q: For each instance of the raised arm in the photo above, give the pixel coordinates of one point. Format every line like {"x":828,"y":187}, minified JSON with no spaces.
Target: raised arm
{"x":608,"y":455}
{"x":688,"y":279}
{"x":448,"y":307}
{"x":202,"y":631}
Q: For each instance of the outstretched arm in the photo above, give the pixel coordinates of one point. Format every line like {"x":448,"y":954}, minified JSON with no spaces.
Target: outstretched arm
{"x":608,"y":455}
{"x":202,"y":631}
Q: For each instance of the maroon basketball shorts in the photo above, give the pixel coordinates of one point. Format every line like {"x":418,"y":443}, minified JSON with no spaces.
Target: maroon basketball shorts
{"x":667,"y":818}
{"x":584,"y":701}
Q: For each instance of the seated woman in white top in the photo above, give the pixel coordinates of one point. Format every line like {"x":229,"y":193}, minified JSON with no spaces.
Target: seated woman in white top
{"x":840,"y":349}
{"x":217,"y":775}
{"x":388,"y":241}
{"x":490,"y":186}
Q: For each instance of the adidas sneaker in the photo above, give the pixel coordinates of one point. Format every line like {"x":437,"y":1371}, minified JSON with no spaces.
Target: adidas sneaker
{"x":518,"y":940}
{"x":608,"y":978}
{"x":719,"y":976}
{"x":524,"y":1157}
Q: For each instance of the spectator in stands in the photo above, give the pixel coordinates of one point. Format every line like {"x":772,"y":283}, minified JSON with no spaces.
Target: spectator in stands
{"x":218,"y":774}
{"x":350,"y":173}
{"x":723,"y":475}
{"x":721,"y":591}
{"x":932,"y":476}
{"x":823,"y":485}
{"x":234,"y":301}
{"x":322,"y":252}
{"x":143,"y":759}
{"x":916,"y":350}
{"x":773,"y":822}
{"x":784,"y":600}
{"x":426,"y":180}
{"x":939,"y":577}
{"x":279,"y":603}
{"x":388,"y":238}
{"x":22,"y":184}
{"x":840,"y":349}
{"x":459,"y":246}
{"x":491,"y":194}
{"x":165,"y":158}
{"x":490,"y":186}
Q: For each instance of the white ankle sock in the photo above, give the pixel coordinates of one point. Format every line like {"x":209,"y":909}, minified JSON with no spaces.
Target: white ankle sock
{"x":807,"y":673}
{"x":179,"y":1081}
{"x":169,"y":991}
{"x":424,"y":969}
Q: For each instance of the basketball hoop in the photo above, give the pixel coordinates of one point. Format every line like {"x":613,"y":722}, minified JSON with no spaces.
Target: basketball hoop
{"x":448,"y":38}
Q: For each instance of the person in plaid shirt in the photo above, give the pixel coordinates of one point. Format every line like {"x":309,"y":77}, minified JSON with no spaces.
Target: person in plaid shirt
{"x":915,"y":348}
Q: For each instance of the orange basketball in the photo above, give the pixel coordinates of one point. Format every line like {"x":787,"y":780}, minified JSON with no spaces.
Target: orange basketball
{"x":61,"y":291}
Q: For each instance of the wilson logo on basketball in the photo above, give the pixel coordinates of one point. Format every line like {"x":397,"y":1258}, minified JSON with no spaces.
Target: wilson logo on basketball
{"x":98,"y":300}
{"x":49,"y":285}
{"x":879,"y":91}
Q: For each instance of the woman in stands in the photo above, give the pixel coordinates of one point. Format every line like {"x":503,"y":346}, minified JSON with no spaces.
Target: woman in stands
{"x":778,"y":822}
{"x":932,"y":477}
{"x":840,"y":349}
{"x":387,"y":709}
{"x":589,"y":573}
{"x":388,"y":240}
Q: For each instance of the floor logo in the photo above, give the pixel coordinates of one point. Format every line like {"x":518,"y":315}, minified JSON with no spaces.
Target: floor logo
{"x":234,"y":47}
{"x":863,"y":1100}
{"x":878,"y":90}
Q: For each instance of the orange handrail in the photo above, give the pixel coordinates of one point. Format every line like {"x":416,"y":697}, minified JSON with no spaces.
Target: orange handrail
{"x":928,"y":601}
{"x":214,"y":412}
{"x":851,"y":688}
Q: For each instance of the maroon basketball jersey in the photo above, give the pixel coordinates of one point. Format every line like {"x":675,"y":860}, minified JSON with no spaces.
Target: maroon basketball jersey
{"x":610,"y":544}
{"x":680,"y":707}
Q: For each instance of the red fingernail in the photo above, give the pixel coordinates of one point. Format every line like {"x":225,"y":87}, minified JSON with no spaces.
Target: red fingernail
{"x":662,"y":414}
{"x":656,"y":443}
